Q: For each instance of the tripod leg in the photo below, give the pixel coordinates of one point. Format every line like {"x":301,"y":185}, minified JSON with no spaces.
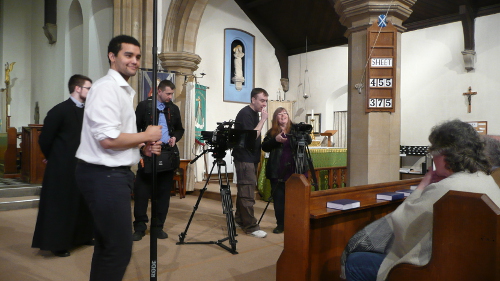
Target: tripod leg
{"x":228,"y":211}
{"x":182,"y":236}
{"x":267,"y":205}
{"x":311,"y":168}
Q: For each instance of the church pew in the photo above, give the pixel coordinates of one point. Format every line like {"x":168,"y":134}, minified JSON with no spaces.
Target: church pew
{"x":315,"y":236}
{"x":465,"y":241}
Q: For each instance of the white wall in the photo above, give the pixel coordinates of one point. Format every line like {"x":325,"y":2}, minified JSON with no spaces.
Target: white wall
{"x":100,"y":14}
{"x":17,"y":48}
{"x":42,"y":70}
{"x":218,"y":15}
{"x":325,"y":82}
{"x":434,"y":78}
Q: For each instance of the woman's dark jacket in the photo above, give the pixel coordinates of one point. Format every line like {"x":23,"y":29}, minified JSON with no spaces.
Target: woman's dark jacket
{"x":275,"y":150}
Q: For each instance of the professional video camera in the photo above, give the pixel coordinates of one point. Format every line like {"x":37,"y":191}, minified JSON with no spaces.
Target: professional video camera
{"x":302,"y":128}
{"x":225,"y":137}
{"x":300,"y":139}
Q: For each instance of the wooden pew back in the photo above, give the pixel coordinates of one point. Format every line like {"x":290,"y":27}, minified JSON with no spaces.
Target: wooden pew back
{"x":315,"y":236}
{"x":465,"y":241}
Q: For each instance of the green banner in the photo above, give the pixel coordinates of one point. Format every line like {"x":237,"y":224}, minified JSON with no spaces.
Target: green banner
{"x":200,"y":111}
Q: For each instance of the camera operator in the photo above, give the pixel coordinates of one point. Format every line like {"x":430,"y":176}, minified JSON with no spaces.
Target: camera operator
{"x":280,"y":142}
{"x":246,"y":162}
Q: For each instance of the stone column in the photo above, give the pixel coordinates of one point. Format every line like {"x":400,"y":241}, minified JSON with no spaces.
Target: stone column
{"x":373,"y":139}
{"x":127,"y":19}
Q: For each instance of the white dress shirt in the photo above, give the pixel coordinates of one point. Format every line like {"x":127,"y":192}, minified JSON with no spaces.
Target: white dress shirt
{"x":109,"y":111}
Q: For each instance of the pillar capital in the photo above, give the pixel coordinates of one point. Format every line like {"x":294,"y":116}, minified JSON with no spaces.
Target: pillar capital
{"x":186,"y":60}
{"x":358,"y":15}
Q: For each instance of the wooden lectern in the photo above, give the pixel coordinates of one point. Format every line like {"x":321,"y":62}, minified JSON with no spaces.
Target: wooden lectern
{"x":329,"y":134}
{"x":11,"y":155}
{"x":32,"y":167}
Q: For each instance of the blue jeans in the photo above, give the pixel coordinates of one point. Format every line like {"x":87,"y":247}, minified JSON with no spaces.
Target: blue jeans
{"x":363,"y":266}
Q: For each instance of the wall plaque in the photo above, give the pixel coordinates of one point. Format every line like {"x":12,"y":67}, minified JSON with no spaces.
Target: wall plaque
{"x":380,"y":78}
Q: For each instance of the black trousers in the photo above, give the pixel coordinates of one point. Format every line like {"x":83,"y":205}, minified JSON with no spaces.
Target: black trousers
{"x":142,"y":194}
{"x":278,"y":192}
{"x":107,"y":192}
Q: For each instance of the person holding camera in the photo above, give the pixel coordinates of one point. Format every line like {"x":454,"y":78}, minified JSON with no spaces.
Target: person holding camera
{"x":169,"y":118}
{"x":279,"y":142}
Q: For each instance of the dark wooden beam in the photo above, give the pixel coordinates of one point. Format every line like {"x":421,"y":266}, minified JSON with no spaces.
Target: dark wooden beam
{"x":426,"y":23}
{"x":468,"y":17}
{"x":50,"y":11}
{"x":257,"y":3}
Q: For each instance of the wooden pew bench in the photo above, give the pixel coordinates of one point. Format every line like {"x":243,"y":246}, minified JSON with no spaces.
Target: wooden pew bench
{"x":315,"y":236}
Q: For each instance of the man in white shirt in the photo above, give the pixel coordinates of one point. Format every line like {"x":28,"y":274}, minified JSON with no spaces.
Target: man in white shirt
{"x":109,"y":146}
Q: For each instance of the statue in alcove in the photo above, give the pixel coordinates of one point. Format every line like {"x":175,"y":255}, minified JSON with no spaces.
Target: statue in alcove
{"x":238,"y":78}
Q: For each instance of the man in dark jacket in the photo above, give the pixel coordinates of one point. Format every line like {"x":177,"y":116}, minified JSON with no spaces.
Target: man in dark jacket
{"x":64,"y":220}
{"x":169,"y":118}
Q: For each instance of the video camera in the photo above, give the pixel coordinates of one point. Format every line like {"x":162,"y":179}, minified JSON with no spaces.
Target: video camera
{"x":225,"y":137}
{"x":302,"y":128}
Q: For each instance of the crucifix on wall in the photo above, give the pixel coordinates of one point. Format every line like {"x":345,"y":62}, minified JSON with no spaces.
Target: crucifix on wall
{"x":469,"y":95}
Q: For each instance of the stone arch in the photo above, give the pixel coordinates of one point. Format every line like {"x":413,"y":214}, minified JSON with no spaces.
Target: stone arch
{"x":180,"y":33}
{"x":75,"y":38}
{"x":181,"y":26}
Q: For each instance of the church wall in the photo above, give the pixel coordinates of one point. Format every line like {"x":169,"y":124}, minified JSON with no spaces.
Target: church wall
{"x":42,"y":70}
{"x":16,"y":37}
{"x":432,"y":83}
{"x":325,"y":82}
{"x":434,"y":78}
{"x":100,"y":15}
{"x":218,"y":15}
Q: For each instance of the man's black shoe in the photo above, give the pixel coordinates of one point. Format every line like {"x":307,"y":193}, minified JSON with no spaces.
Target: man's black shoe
{"x":137,"y":236}
{"x":279,"y":229}
{"x":61,"y":253}
{"x":90,"y":243}
{"x":162,"y":234}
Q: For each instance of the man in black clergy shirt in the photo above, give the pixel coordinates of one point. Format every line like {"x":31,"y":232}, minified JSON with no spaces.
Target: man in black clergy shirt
{"x":64,"y":220}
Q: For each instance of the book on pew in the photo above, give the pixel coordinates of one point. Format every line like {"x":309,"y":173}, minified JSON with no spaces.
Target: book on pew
{"x":390,"y":196}
{"x":343,"y":204}
{"x":406,"y":192}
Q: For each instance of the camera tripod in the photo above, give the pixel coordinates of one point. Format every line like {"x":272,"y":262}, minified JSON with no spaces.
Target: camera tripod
{"x":303,"y":160}
{"x":227,"y":208}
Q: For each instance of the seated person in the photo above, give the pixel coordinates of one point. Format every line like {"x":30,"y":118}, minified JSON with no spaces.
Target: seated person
{"x":492,"y":151}
{"x":405,"y":235}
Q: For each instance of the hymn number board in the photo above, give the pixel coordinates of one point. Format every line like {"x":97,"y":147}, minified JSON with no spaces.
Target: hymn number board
{"x":381,"y":72}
